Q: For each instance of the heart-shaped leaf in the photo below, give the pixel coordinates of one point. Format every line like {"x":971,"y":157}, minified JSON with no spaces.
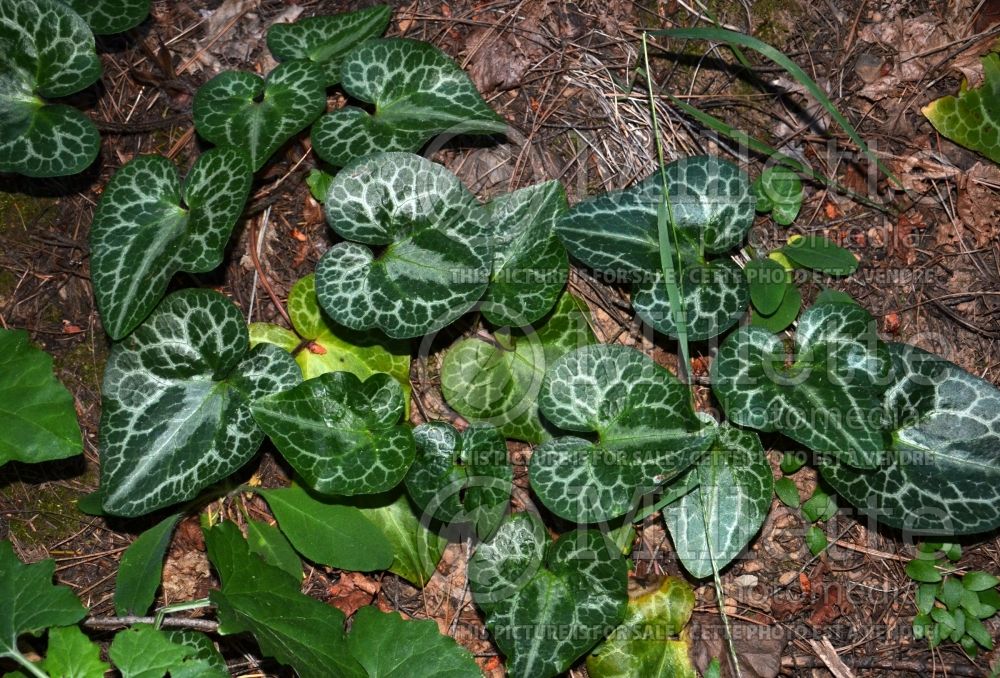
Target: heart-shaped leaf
{"x":416,"y":550}
{"x":258,"y":115}
{"x":110,"y":16}
{"x":176,"y":402}
{"x":436,"y":259}
{"x":712,"y":207}
{"x":48,"y":51}
{"x":72,"y":654}
{"x":498,"y":383}
{"x":418,"y":92}
{"x":829,"y":398}
{"x":723,"y":513}
{"x":972,"y":119}
{"x":331,"y":347}
{"x":325,"y":40}
{"x":647,"y":432}
{"x":530,"y":266}
{"x":779,"y":191}
{"x":461,"y":477}
{"x":569,"y":593}
{"x":149,"y":225}
{"x":942,"y":475}
{"x":37,"y":414}
{"x":641,"y":645}
{"x":341,"y":434}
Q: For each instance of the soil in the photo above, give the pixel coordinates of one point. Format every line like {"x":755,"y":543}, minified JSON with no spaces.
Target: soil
{"x":558,"y":72}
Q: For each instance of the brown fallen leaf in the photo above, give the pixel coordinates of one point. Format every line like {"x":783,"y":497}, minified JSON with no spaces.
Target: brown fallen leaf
{"x":758,"y":647}
{"x":832,"y":604}
{"x":353,"y":591}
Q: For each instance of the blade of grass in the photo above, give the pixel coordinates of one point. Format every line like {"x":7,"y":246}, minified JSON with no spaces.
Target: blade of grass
{"x":778,"y":57}
{"x":666,"y":234}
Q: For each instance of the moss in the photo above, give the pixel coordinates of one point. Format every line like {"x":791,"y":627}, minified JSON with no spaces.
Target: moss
{"x":8,"y":281}
{"x":46,"y":515}
{"x":85,"y":363}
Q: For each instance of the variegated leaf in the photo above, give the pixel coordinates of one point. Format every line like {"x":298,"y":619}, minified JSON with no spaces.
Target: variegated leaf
{"x":149,"y":225}
{"x":110,"y":16}
{"x":647,"y":432}
{"x":461,"y":477}
{"x":417,"y":91}
{"x":436,"y":256}
{"x":325,"y":40}
{"x":176,"y":402}
{"x":46,"y":50}
{"x":258,"y":115}
{"x":712,"y":206}
{"x":340,"y":434}
{"x":943,"y":473}
{"x":498,"y":383}
{"x":547,"y":603}
{"x":829,"y":398}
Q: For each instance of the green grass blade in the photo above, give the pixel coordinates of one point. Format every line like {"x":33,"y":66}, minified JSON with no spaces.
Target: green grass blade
{"x":775,"y":55}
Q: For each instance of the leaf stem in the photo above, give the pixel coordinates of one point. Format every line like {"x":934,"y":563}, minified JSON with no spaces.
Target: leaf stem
{"x":27,"y":665}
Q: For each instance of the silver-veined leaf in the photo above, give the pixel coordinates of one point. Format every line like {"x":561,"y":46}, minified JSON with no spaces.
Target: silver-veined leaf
{"x":942,"y":475}
{"x":110,"y":16}
{"x":461,"y":477}
{"x":547,"y":603}
{"x":712,"y":206}
{"x":829,"y":398}
{"x":341,"y":434}
{"x":498,"y":383}
{"x":647,"y":432}
{"x":149,"y":225}
{"x":437,"y":253}
{"x":720,"y":516}
{"x":418,"y":92}
{"x":779,"y":191}
{"x":325,"y":40}
{"x":176,"y":402}
{"x":47,"y":51}
{"x":258,"y":115}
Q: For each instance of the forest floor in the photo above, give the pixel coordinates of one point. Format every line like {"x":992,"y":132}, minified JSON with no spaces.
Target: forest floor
{"x":561,"y":74}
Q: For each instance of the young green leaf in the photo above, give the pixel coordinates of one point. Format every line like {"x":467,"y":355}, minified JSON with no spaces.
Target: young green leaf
{"x":978,"y":632}
{"x":832,"y":296}
{"x":779,"y":191}
{"x":716,"y":520}
{"x":569,"y":592}
{"x":827,"y":399}
{"x":820,"y":506}
{"x":149,"y":225}
{"x":461,"y":477}
{"x":972,"y":119}
{"x":205,"y":660}
{"x":31,"y":602}
{"x":177,"y":395}
{"x":926,"y":594}
{"x":416,"y":549}
{"x":331,"y":534}
{"x":768,"y":280}
{"x":146,"y":652}
{"x":820,"y":254}
{"x":816,"y":540}
{"x":951,"y":593}
{"x":712,"y":207}
{"x":258,"y":115}
{"x":942,"y":476}
{"x":498,"y":382}
{"x":530,"y":265}
{"x":37,"y":415}
{"x":437,"y":254}
{"x":318,"y":182}
{"x":787,"y":492}
{"x":141,"y":568}
{"x":386,"y":646}
{"x":979,"y":581}
{"x":106,"y":17}
{"x":791,"y":462}
{"x":265,"y":601}
{"x":71,"y":654}
{"x":48,"y":52}
{"x":654,"y":612}
{"x":417,"y":91}
{"x":325,"y":40}
{"x":334,"y":348}
{"x":268,"y":542}
{"x":647,"y":432}
{"x":923,"y":571}
{"x":341,"y":434}
{"x":783,"y":316}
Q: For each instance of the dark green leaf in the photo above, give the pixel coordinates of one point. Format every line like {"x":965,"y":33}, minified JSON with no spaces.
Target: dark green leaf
{"x":149,"y":225}
{"x":784,"y":316}
{"x":816,"y":540}
{"x":820,"y":506}
{"x":71,"y":654}
{"x":791,"y":462}
{"x":341,"y":434}
{"x":978,"y":632}
{"x":37,"y":414}
{"x":951,"y":593}
{"x":145,"y":652}
{"x":268,"y":542}
{"x":437,"y":253}
{"x":329,"y":534}
{"x":923,"y":571}
{"x":768,"y":281}
{"x":787,"y":492}
{"x":177,"y":395}
{"x":820,"y":254}
{"x":111,"y":16}
{"x":926,"y":594}
{"x":417,"y":92}
{"x":979,"y":581}
{"x":141,"y":568}
{"x":416,"y":550}
{"x":832,"y":296}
